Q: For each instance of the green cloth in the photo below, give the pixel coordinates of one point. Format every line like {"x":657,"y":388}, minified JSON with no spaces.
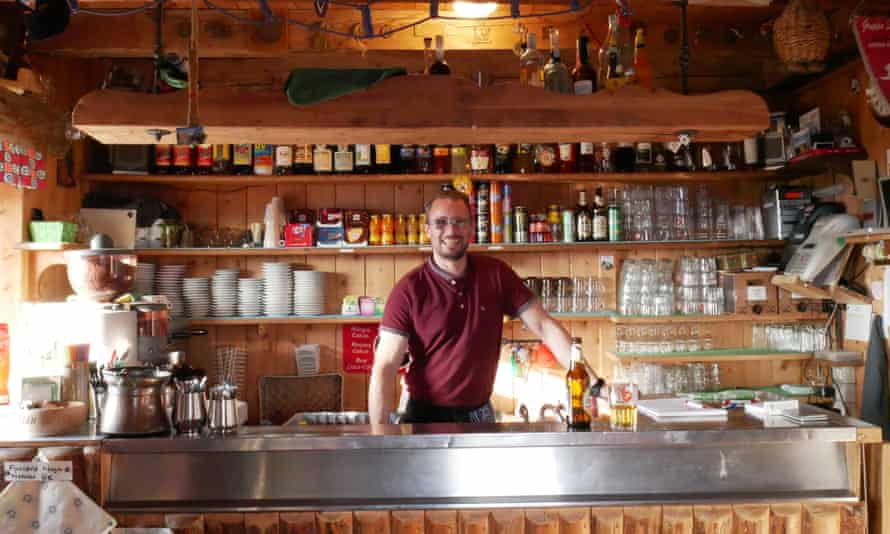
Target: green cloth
{"x":305,"y":87}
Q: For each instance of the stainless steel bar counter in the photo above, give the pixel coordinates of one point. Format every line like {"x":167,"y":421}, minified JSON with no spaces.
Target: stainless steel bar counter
{"x":485,"y":466}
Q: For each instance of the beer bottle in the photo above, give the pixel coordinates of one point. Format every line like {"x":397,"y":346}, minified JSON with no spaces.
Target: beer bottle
{"x":183,"y":159}
{"x":577,"y":383}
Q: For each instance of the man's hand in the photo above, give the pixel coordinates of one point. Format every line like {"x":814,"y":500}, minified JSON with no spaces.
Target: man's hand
{"x":381,"y":389}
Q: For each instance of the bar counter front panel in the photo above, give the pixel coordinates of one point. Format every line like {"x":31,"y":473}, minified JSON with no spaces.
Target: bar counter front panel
{"x":482,"y":466}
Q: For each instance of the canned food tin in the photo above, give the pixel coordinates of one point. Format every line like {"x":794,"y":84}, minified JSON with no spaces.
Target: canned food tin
{"x":568,"y":226}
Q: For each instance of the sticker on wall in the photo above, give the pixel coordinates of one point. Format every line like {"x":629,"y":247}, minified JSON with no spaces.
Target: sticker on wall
{"x":21,"y":166}
{"x":607,"y":263}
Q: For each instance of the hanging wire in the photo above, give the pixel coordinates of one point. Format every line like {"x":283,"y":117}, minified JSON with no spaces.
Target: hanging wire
{"x":75,"y":8}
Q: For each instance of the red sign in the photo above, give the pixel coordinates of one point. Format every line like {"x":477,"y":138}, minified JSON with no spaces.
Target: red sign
{"x":358,"y":348}
{"x":873,"y":38}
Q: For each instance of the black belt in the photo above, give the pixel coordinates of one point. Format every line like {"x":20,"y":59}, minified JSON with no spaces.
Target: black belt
{"x":422,"y":412}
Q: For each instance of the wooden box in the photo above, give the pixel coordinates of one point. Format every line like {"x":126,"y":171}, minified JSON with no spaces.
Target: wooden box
{"x":750,"y":292}
{"x":792,"y":303}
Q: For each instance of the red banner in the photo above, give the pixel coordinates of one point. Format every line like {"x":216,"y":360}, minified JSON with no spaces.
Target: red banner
{"x":873,"y":38}
{"x":358,"y":348}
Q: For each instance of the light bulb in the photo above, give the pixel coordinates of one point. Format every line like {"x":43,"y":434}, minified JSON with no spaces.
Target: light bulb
{"x":474,"y":10}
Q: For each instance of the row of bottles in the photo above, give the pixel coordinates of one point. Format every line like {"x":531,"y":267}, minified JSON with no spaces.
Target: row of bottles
{"x":258,"y":159}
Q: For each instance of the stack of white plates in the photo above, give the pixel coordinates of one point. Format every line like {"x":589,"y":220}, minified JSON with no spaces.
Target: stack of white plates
{"x":169,"y":284}
{"x":308,"y":293}
{"x":277,"y":289}
{"x":224,"y":293}
{"x":250,"y":297}
{"x":145,"y":279}
{"x":196,"y":294}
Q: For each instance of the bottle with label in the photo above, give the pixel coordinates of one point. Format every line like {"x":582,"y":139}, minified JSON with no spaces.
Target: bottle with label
{"x":204,"y":159}
{"x":586,"y":157}
{"x":642,"y":68}
{"x":424,"y":159}
{"x":480,"y":159}
{"x":616,"y":232}
{"x":556,"y":75}
{"x":483,"y":213}
{"x":302,"y":159}
{"x":322,"y":159}
{"x":163,"y":159}
{"x":222,"y":159}
{"x":408,"y":159}
{"x":583,"y":75}
{"x":439,"y":66}
{"x":387,"y":230}
{"x":578,"y":385}
{"x":243,"y":159}
{"x":546,"y":159}
{"x":524,"y":159}
{"x":374,"y":230}
{"x":344,"y":159}
{"x":530,"y":64}
{"x":284,"y":159}
{"x":424,"y":239}
{"x":413,"y":230}
{"x":363,"y":159}
{"x":460,"y":164}
{"x":383,"y":159}
{"x":263,"y":160}
{"x":643,"y":161}
{"x":502,"y":159}
{"x":568,"y":157}
{"x":183,"y":158}
{"x":602,"y":56}
{"x":441,"y":159}
{"x":615,"y":73}
{"x":583,"y":219}
{"x":600,"y":217}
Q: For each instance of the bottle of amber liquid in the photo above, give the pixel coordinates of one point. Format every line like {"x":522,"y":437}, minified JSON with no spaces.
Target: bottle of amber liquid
{"x":459,"y":161}
{"x":183,"y":159}
{"x":383,"y":159}
{"x":322,"y":159}
{"x":524,"y":160}
{"x":204,"y":159}
{"x":441,"y":159}
{"x":364,"y":159}
{"x":222,"y":159}
{"x":302,"y":159}
{"x":401,"y":236}
{"x":577,"y":384}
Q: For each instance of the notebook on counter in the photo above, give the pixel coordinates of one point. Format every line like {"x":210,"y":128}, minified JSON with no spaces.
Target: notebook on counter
{"x":676,"y":409}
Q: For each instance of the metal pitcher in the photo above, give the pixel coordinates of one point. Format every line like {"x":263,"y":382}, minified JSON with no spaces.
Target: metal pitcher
{"x":133,"y":403}
{"x":189,"y":411}
{"x":223,"y":408}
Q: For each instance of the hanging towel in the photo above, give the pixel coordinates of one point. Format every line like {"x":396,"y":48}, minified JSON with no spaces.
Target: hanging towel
{"x":875,"y":397}
{"x":34,"y":507}
{"x":311,"y":86}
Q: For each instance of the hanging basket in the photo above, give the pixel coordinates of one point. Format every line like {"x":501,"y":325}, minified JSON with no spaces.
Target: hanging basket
{"x":801,"y":37}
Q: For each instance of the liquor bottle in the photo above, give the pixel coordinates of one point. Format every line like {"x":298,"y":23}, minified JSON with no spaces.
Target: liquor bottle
{"x":615,"y":72}
{"x":568,"y":157}
{"x":442,"y":159}
{"x":578,"y":384}
{"x":183,"y":157}
{"x":530,"y":62}
{"x":284,"y":159}
{"x":546,"y":158}
{"x":616,"y":232}
{"x":524,"y":160}
{"x":344,"y":159}
{"x":502,"y":159}
{"x":302,"y":159}
{"x":243,"y":159}
{"x":383,"y":159}
{"x":481,"y":160}
{"x":586,"y":157}
{"x":204,"y":159}
{"x":439,"y":66}
{"x":408,"y":159}
{"x":263,"y":160}
{"x":642,"y":68}
{"x":163,"y":159}
{"x":424,"y":159}
{"x":600,"y":217}
{"x":583,"y":219}
{"x":583,"y":75}
{"x":460,"y":164}
{"x":556,"y":75}
{"x":222,"y":159}
{"x":643,"y":161}
{"x":322,"y":159}
{"x":427,"y":54}
{"x":602,"y":72}
{"x":364,"y":159}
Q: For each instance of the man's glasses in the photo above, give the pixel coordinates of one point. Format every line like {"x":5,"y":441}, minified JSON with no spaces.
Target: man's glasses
{"x":443,"y":222}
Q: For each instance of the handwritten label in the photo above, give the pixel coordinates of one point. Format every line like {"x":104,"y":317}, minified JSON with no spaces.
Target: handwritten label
{"x":40,"y":471}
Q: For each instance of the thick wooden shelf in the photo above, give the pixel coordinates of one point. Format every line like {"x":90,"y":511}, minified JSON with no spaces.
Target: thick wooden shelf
{"x":726,"y":318}
{"x":351,"y":319}
{"x":415,"y":249}
{"x":426,"y":110}
{"x":237,"y":180}
{"x":722,"y":355}
{"x":53,"y":247}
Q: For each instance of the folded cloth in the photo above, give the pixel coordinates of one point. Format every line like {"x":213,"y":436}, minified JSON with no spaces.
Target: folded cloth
{"x":51,"y":507}
{"x":875,"y":398}
{"x":311,"y":86}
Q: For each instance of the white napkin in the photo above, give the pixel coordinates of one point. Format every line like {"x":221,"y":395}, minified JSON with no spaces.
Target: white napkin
{"x":51,"y":507}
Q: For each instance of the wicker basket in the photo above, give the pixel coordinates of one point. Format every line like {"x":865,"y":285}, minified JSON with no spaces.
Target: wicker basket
{"x":801,"y":36}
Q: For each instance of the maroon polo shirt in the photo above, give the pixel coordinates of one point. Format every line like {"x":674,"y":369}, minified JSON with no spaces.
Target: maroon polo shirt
{"x":454,"y":327}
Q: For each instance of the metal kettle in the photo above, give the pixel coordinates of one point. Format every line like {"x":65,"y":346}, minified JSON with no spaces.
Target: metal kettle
{"x":223,"y":417}
{"x":133,"y":403}
{"x":189,"y":411}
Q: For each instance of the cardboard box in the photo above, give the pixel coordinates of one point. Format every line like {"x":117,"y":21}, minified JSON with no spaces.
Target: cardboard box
{"x":750,"y":292}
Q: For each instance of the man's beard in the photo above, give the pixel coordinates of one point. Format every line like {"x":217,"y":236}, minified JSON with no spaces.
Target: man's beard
{"x":454,"y":256}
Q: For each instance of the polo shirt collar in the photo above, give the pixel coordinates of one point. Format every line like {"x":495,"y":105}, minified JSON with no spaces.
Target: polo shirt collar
{"x":448,"y":277}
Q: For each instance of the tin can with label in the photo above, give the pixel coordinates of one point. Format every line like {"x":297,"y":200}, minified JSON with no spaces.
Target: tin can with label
{"x":483,"y":213}
{"x":520,"y":224}
{"x":568,"y":226}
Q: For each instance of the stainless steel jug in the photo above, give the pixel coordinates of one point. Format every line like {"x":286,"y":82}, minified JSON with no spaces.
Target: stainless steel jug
{"x":133,"y":403}
{"x":189,"y":411}
{"x":223,"y":409}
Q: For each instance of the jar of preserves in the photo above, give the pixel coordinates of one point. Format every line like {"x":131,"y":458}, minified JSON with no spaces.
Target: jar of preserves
{"x":387,"y":230}
{"x":374,"y":237}
{"x":421,"y":229}
{"x":401,"y":230}
{"x":413,"y":230}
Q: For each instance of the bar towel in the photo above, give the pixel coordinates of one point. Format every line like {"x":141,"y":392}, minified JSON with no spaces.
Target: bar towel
{"x":875,"y":397}
{"x":35,"y":507}
{"x":311,"y":86}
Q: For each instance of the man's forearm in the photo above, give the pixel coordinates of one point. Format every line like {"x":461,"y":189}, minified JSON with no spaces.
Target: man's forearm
{"x":381,"y":391}
{"x":557,"y":339}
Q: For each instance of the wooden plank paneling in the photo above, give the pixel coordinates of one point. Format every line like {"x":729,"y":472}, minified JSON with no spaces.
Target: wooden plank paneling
{"x":228,"y":523}
{"x":367,"y":522}
{"x":334,"y":522}
{"x":408,"y":522}
{"x":261,"y":523}
{"x":607,"y":520}
{"x":185,"y":523}
{"x":750,"y":519}
{"x":821,"y":518}
{"x":574,"y":521}
{"x":440,"y":521}
{"x":297,"y":523}
{"x":474,"y":522}
{"x":785,"y":518}
{"x":642,"y":520}
{"x":677,"y":520}
{"x":507,"y":522}
{"x":713,"y":519}
{"x":541,"y":522}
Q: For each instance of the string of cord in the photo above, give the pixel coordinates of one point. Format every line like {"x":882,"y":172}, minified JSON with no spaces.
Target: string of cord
{"x":75,"y":10}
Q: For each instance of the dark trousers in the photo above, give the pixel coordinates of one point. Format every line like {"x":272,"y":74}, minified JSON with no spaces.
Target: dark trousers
{"x":422,"y":412}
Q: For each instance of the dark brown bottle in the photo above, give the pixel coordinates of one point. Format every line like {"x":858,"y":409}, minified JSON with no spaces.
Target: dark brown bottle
{"x":442,"y":159}
{"x":583,"y":75}
{"x":183,"y":159}
{"x":586,"y":157}
{"x":524,"y":159}
{"x":503,"y":156}
{"x":408,"y":159}
{"x":424,"y":159}
{"x":568,"y":157}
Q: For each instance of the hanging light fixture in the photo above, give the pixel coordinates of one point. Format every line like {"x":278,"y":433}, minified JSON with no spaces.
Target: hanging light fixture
{"x":471,"y":9}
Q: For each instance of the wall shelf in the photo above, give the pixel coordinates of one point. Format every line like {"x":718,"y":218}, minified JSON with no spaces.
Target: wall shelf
{"x":731,"y":318}
{"x":721,"y":355}
{"x":567,"y":178}
{"x":49,"y":247}
{"x":351,"y":319}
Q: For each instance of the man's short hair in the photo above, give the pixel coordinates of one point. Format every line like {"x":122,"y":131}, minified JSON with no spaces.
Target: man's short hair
{"x":450,"y":194}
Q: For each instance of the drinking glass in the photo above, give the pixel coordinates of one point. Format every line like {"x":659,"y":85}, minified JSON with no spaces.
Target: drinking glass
{"x":703,"y":213}
{"x":623,"y":405}
{"x":721,"y":221}
{"x":564,"y":294}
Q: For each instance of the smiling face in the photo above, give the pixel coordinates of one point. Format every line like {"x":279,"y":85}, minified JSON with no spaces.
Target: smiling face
{"x":449,"y":229}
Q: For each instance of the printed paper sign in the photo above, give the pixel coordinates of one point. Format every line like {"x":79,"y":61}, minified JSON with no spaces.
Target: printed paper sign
{"x":873,"y":37}
{"x":39,"y":471}
{"x":358,"y":348}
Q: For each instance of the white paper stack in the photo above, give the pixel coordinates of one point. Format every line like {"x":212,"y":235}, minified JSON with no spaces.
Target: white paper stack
{"x":145,"y":279}
{"x":676,"y":409}
{"x":308,"y":359}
